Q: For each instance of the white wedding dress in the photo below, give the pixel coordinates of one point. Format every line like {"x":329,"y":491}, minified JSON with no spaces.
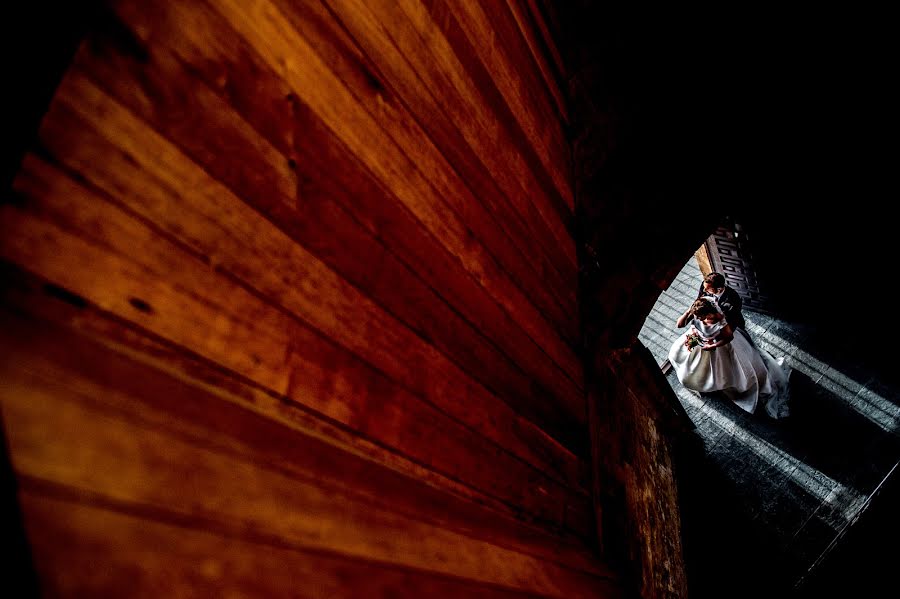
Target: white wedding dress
{"x":748,"y":376}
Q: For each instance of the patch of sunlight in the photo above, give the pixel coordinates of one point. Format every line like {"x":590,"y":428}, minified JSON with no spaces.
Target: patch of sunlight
{"x":872,"y":406}
{"x":814,"y":482}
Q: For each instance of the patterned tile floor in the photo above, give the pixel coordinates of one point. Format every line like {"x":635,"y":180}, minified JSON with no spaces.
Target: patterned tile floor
{"x":762,"y":499}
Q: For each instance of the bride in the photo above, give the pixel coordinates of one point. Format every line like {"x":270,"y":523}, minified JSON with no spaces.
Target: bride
{"x":712,"y":356}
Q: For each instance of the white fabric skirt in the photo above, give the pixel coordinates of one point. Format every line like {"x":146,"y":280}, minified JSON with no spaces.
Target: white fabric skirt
{"x":748,"y":376}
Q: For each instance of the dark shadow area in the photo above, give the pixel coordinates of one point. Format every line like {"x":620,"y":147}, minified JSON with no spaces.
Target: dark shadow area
{"x":39,"y":40}
{"x":853,"y":340}
{"x":727,"y":552}
{"x":780,"y":119}
{"x":827,"y":435}
{"x":19,"y":576}
{"x":863,"y":563}
{"x":763,"y":500}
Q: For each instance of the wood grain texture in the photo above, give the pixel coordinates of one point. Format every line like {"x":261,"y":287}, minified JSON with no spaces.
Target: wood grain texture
{"x":51,"y":356}
{"x":463,"y":100}
{"x":96,"y":250}
{"x":539,"y":46}
{"x":289,"y":296}
{"x":270,"y":33}
{"x":71,"y":537}
{"x":389,"y":88}
{"x":73,"y":338}
{"x":204,"y":122}
{"x":240,"y":247}
{"x":134,"y":461}
{"x":505,"y":55}
{"x":427,"y":36}
{"x":546,"y":21}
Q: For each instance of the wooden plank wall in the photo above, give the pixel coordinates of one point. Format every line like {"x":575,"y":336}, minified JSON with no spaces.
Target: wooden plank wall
{"x":289,"y":307}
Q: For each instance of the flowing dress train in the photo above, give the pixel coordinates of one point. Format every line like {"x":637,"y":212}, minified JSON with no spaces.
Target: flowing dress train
{"x":746,"y":375}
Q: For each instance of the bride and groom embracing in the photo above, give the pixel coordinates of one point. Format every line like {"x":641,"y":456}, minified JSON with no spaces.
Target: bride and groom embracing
{"x":716,"y":354}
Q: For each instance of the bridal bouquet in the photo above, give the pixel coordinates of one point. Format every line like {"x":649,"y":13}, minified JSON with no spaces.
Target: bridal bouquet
{"x":692,"y":340}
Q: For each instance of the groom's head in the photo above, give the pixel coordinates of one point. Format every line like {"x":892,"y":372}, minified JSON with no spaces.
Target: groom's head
{"x":714,"y":283}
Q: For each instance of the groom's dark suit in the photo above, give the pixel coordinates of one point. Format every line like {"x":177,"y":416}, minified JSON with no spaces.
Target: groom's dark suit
{"x":730,"y":303}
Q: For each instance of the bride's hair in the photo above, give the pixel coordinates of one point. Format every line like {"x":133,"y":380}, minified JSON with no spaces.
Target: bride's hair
{"x":702,"y":307}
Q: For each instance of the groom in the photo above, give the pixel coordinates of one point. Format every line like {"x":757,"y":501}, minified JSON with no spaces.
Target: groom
{"x":727,"y":298}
